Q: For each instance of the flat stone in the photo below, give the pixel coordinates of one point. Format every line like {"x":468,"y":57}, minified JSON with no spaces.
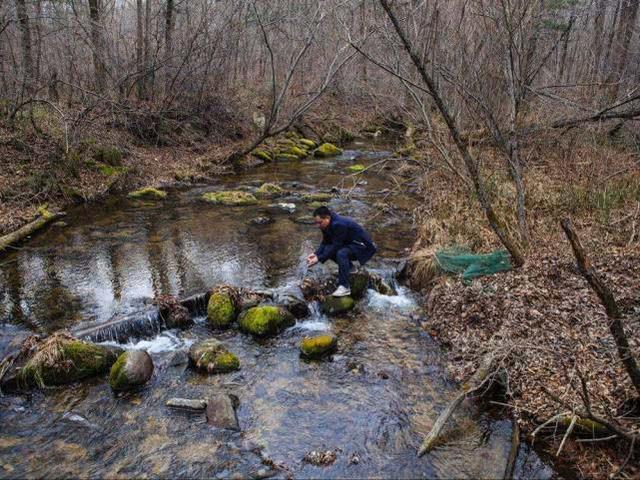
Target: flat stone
{"x":221,"y":412}
{"x":196,"y":404}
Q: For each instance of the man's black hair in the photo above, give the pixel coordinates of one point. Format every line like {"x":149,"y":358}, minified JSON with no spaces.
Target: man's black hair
{"x":322,"y":212}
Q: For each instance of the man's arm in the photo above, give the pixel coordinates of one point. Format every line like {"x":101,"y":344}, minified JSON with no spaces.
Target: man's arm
{"x":326,"y":251}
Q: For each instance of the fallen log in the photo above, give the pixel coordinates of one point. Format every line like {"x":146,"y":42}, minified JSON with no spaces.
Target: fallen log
{"x":45,"y":217}
{"x":477,"y":381}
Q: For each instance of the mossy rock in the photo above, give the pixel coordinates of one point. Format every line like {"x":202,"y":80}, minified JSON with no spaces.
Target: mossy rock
{"x":305,"y":220}
{"x":109,"y":155}
{"x":213,"y":357}
{"x":230,"y":198}
{"x":314,"y":205}
{"x":286,"y":157}
{"x":148,"y":193}
{"x":337,"y":305}
{"x":318,"y":346}
{"x":110,"y":171}
{"x":359,"y":282}
{"x":132,"y":369}
{"x":262,"y":154}
{"x":327,"y":150}
{"x":307,"y":143}
{"x":266,"y":320}
{"x":297,"y":151}
{"x":61,"y":359}
{"x":316,"y":197}
{"x":269,"y":190}
{"x":221,"y":311}
{"x":356,"y":168}
{"x":291,"y":134}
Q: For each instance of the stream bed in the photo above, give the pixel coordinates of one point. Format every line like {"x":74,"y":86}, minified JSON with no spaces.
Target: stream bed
{"x":370,"y":404}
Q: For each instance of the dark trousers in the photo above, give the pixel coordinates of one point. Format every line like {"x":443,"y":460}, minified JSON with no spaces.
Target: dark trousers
{"x":343,"y":258}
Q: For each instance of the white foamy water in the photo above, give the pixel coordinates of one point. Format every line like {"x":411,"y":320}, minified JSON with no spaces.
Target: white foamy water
{"x":402,"y":302}
{"x":166,"y":341}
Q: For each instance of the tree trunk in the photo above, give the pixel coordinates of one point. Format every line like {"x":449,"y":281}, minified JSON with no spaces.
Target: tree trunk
{"x":100,"y":73}
{"x":598,"y":36}
{"x":147,"y":51}
{"x":139,"y":42}
{"x":27,"y":55}
{"x":608,"y":300}
{"x":628,"y":15}
{"x":169,"y":16}
{"x":471,"y":165}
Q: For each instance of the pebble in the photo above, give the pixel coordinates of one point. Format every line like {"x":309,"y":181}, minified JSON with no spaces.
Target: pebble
{"x":195,"y":404}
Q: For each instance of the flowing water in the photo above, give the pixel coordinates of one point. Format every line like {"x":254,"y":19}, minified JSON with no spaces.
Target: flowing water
{"x":370,"y":404}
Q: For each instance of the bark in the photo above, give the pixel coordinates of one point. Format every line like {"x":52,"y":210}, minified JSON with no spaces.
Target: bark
{"x":25,"y":38}
{"x":470,"y":163}
{"x":139,"y":46}
{"x":14,"y":237}
{"x":100,"y":74}
{"x":598,"y":36}
{"x":628,"y":16}
{"x":608,"y":300}
{"x":169,"y":17}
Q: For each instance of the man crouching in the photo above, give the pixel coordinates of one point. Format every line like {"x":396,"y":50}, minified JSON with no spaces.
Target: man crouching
{"x":343,"y":240}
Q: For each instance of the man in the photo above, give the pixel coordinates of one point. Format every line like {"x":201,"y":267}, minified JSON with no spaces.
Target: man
{"x":343,"y":241}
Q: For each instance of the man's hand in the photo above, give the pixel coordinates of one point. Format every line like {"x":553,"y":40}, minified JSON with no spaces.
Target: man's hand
{"x":312,"y":260}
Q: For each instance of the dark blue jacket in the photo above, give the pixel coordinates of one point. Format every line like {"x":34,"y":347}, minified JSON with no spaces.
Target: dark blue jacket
{"x":345,"y":232}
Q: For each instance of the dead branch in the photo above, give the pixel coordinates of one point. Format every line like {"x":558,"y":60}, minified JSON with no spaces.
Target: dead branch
{"x":44,"y":218}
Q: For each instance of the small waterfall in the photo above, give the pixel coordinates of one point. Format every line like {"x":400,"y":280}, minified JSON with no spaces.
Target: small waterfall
{"x":120,"y":329}
{"x":196,"y":304}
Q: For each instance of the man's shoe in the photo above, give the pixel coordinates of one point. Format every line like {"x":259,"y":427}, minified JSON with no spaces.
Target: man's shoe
{"x":341,"y":292}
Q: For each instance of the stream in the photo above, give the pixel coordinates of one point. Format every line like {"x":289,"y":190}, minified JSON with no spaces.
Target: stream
{"x":370,"y":404}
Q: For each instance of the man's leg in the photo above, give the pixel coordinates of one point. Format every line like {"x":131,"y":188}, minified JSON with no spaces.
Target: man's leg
{"x":343,"y":259}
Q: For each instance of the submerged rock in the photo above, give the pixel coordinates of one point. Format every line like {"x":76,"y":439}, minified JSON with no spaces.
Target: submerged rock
{"x":148,"y":193}
{"x":305,"y":220}
{"x":221,"y":412}
{"x":286,"y":157}
{"x":195,"y":404}
{"x":221,"y":311}
{"x":132,"y":369}
{"x":318,"y":346}
{"x":261,"y":221}
{"x":297,"y":307}
{"x":286,"y":207}
{"x":336,"y":305}
{"x":57,"y":360}
{"x":356,"y":168}
{"x":265,"y":320}
{"x":230,"y":198}
{"x":327,"y":150}
{"x":316,"y":197}
{"x":213,"y":357}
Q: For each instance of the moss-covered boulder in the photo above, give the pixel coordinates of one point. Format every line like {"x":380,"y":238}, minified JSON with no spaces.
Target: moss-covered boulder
{"x":61,"y":358}
{"x":286,"y":157}
{"x":297,"y":151}
{"x":148,"y":193}
{"x":265,"y":320}
{"x":213,"y":357}
{"x":221,"y":310}
{"x":316,"y":197}
{"x":318,"y":346}
{"x":269,"y":190}
{"x":230,"y":198}
{"x":132,"y":369}
{"x":357,"y":168}
{"x":307,"y":143}
{"x":314,"y":205}
{"x":327,"y":150}
{"x":262,"y":154}
{"x":336,"y":305}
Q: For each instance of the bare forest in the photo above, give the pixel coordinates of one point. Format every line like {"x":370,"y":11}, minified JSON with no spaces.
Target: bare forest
{"x":516,"y":123}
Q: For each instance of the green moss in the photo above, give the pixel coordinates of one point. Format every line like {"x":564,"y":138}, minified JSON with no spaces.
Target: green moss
{"x":263,"y":321}
{"x":337,"y":305}
{"x":356,"y":168}
{"x":327,"y":150}
{"x":314,"y":205}
{"x":316,"y":197}
{"x":109,"y":170}
{"x":220,"y":310}
{"x":261,"y":154}
{"x":211,"y":356}
{"x":148,"y":193}
{"x":269,"y":190}
{"x":117,"y":375}
{"x":109,"y":155}
{"x":230,"y":198}
{"x":292,"y":135}
{"x":406,"y":151}
{"x":286,"y":157}
{"x":297,"y":151}
{"x":307,"y":143}
{"x":316,"y":347}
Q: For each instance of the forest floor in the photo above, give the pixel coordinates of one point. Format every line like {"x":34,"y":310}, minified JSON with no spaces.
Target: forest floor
{"x":543,"y":317}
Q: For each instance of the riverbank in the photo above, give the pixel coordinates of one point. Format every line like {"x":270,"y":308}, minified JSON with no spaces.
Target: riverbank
{"x":543,"y":317}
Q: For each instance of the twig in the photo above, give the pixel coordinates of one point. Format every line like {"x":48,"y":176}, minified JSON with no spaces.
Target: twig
{"x":567,"y":433}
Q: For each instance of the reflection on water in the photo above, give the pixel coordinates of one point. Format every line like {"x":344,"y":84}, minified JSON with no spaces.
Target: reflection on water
{"x":371,"y":404}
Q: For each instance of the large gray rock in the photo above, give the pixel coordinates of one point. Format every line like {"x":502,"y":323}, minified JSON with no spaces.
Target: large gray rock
{"x":221,"y":412}
{"x":132,"y":369}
